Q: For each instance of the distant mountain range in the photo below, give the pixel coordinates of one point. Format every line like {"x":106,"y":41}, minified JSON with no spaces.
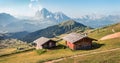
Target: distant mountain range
{"x":98,"y":21}
{"x":52,"y":31}
{"x":45,"y":15}
{"x":6,"y":19}
{"x":9,"y":23}
{"x":16,"y":35}
{"x":44,"y":18}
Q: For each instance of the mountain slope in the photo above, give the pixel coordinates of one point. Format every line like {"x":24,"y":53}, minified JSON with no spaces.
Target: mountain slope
{"x":6,"y":19}
{"x":16,"y":35}
{"x":101,"y":32}
{"x":55,"y":30}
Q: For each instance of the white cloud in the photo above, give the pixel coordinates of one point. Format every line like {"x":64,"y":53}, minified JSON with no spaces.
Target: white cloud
{"x":30,"y":5}
{"x":8,"y":10}
{"x":34,"y":5}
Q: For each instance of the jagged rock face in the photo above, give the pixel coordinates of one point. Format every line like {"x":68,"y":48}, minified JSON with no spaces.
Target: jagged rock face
{"x":45,"y":15}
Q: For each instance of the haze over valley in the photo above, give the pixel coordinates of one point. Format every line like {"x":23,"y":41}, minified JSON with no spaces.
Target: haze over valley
{"x":44,"y":18}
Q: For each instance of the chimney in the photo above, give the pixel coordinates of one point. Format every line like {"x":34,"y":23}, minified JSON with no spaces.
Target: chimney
{"x":85,"y":34}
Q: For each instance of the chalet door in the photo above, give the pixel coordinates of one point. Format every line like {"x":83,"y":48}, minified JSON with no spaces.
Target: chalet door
{"x":46,"y":45}
{"x":50,"y":44}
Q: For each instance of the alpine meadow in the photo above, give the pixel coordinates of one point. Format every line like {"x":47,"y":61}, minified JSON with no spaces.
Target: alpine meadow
{"x":59,"y":31}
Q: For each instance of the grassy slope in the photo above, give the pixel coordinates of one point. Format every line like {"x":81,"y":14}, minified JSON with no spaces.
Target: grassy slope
{"x":9,"y":46}
{"x":6,"y":51}
{"x":33,"y":57}
{"x":99,"y":33}
{"x":109,"y":57}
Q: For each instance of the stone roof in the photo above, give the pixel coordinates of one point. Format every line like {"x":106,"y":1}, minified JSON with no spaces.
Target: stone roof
{"x":41,"y":40}
{"x":74,"y":37}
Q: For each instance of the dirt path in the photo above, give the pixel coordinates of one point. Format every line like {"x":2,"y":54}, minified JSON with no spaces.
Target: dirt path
{"x":115,"y":35}
{"x":82,"y":55}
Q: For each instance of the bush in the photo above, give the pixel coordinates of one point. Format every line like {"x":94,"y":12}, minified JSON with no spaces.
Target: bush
{"x":41,"y":51}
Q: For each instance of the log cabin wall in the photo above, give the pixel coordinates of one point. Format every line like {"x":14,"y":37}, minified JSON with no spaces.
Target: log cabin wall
{"x":84,"y":43}
{"x":49,"y":44}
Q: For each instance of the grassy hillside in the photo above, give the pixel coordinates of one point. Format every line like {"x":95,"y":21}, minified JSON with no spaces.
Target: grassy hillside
{"x":9,"y":46}
{"x":99,"y":33}
{"x":108,"y":57}
{"x":6,"y":51}
{"x":12,"y":43}
{"x":60,"y":52}
{"x":33,"y":57}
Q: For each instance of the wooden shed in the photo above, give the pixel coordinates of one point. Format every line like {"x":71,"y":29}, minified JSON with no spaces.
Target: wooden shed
{"x":76,"y":41}
{"x":44,"y":43}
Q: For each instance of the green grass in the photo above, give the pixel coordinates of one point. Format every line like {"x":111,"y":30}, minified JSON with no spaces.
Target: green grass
{"x":99,"y":33}
{"x":108,"y":57}
{"x":13,"y":46}
{"x":6,"y":51}
{"x":41,"y":51}
{"x":34,"y":57}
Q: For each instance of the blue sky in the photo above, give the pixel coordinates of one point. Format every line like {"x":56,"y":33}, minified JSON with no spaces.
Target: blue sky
{"x":73,"y":8}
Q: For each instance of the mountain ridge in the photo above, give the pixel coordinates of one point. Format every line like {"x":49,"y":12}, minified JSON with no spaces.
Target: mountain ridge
{"x":47,"y":18}
{"x":55,"y":30}
{"x":45,"y":14}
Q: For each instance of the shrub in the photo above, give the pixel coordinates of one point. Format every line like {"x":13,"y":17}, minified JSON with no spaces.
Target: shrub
{"x":41,"y":51}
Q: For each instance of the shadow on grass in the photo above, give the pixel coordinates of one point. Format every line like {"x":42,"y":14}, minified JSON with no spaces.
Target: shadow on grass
{"x":60,"y":46}
{"x":96,"y":45}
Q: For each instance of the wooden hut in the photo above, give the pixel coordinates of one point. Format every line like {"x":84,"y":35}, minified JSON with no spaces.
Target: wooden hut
{"x":77,"y":41}
{"x":44,"y":43}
